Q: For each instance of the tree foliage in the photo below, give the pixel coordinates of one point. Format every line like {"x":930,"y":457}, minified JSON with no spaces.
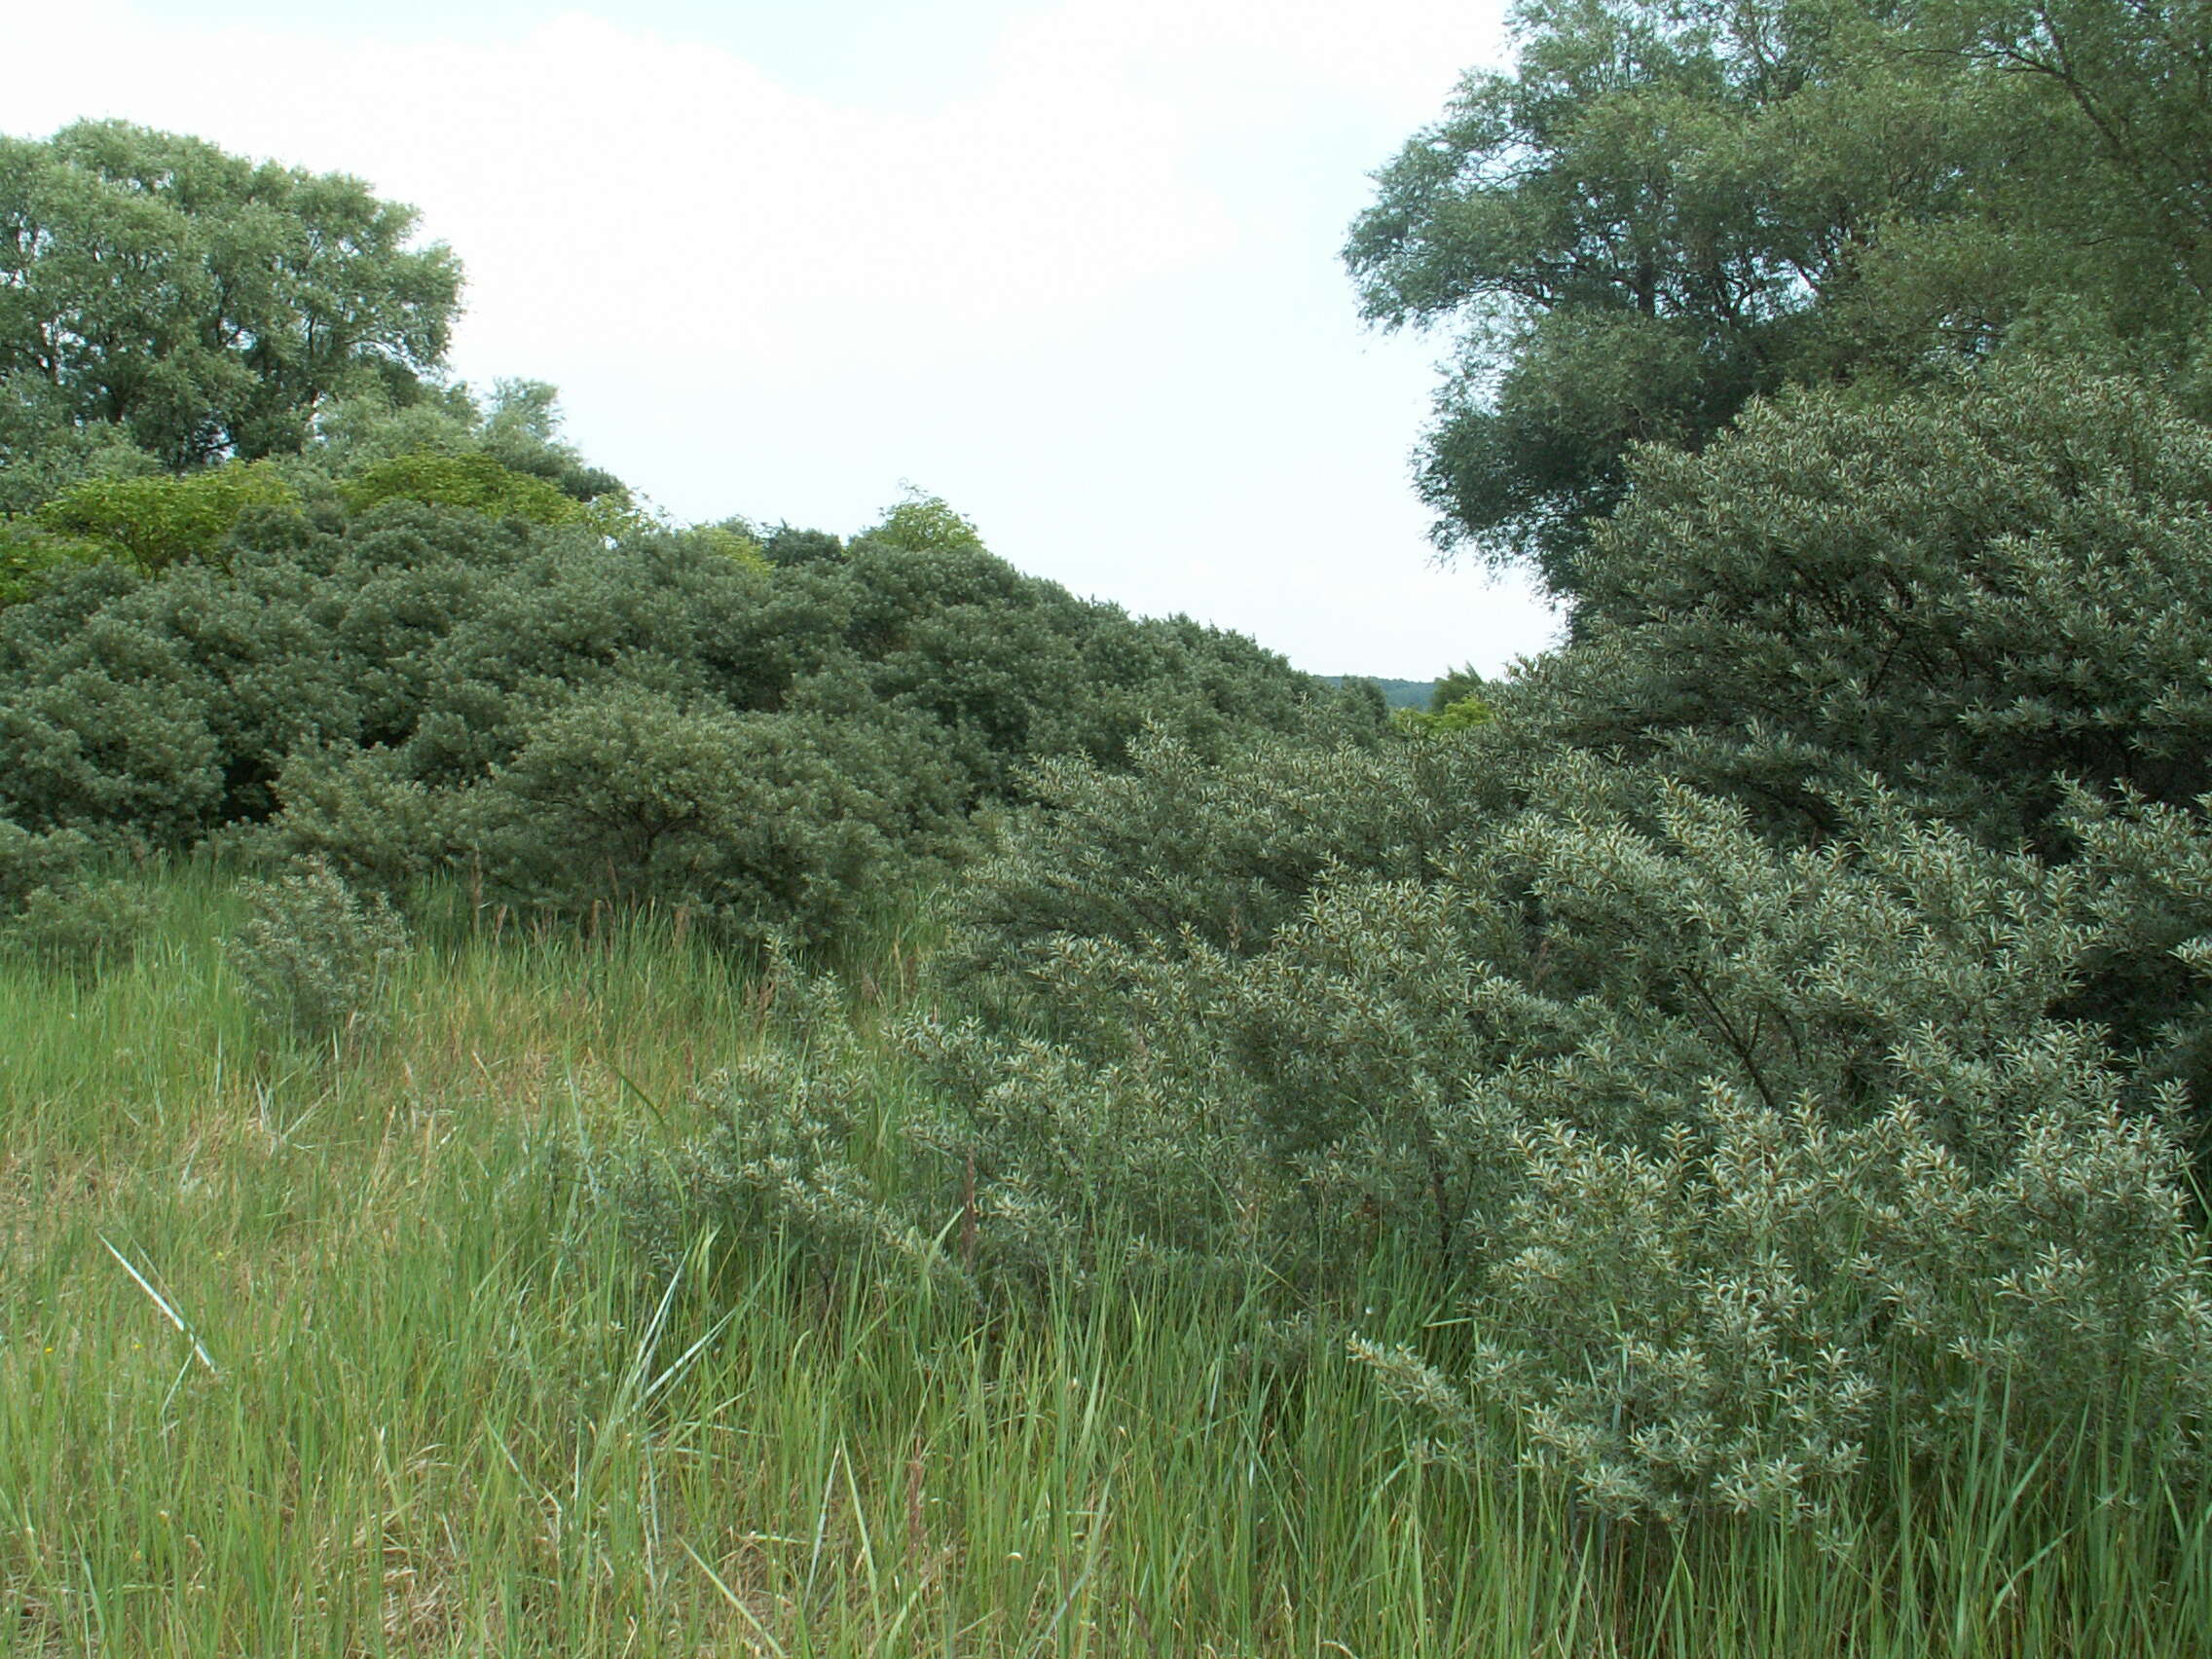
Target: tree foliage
{"x":474,"y":481}
{"x":205,"y":305}
{"x":1664,"y":210}
{"x":161,"y":520}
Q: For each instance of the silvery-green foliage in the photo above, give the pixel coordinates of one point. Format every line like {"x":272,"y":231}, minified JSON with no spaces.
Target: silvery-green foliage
{"x":359,"y":811}
{"x":1989,"y":596}
{"x":402,"y":687}
{"x":105,"y":728}
{"x":1180,"y":844}
{"x":2154,"y":902}
{"x":314,"y":956}
{"x":1595,"y":958}
{"x":1732,"y":1320}
{"x":160,"y":709}
{"x":31,"y":861}
{"x":752,"y":822}
{"x":1975,"y":592}
{"x":1740,"y":1150}
{"x":796,"y":1149}
{"x":1048,"y":1155}
{"x":83,"y":926}
{"x":1016,"y":670}
{"x":53,"y":908}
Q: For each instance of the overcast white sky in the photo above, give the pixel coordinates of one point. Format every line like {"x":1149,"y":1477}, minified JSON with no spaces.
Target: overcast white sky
{"x":1069,"y":264}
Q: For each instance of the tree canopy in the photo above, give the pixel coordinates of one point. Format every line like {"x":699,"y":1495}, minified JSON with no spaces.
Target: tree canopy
{"x":1667,"y":207}
{"x":197,"y":304}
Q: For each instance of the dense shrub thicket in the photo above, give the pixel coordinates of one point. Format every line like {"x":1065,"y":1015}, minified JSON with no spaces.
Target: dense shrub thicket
{"x":265,"y":572}
{"x":1781,"y":1017}
{"x":669,"y":718}
{"x":1738,"y":1151}
{"x":1977,"y":593}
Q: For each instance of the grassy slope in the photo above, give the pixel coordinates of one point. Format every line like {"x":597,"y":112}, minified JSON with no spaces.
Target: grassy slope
{"x":442,"y":1413}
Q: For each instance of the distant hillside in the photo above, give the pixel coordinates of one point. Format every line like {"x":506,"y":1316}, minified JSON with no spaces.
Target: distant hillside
{"x":1397,"y":693}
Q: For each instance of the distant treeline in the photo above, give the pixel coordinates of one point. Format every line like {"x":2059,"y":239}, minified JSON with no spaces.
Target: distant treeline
{"x":1396,"y":693}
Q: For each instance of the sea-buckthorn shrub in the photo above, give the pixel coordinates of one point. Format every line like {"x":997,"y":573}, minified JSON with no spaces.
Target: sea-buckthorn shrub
{"x":1989,"y":595}
{"x":1178,"y":844}
{"x":313,"y":957}
{"x":1977,"y":593}
{"x":1743,"y":1155}
{"x":1736,"y":1320}
{"x":400,"y":689}
{"x":2148,"y":979}
{"x":84,"y":926}
{"x":752,"y":822}
{"x":157,"y":710}
{"x":1016,"y":670}
{"x":31,"y":861}
{"x":57,"y":908}
{"x":798,"y":1152}
{"x":476,"y":482}
{"x":359,"y":811}
{"x":105,"y":730}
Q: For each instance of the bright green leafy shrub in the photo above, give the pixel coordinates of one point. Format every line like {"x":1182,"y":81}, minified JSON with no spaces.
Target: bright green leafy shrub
{"x":1462,"y":714}
{"x":28,"y":556}
{"x":732,"y":544}
{"x":922,"y":523}
{"x":473,"y":481}
{"x":518,"y":428}
{"x":162,"y":521}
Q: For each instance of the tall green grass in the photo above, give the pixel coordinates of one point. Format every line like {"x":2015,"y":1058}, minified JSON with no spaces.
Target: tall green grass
{"x":347,"y":1355}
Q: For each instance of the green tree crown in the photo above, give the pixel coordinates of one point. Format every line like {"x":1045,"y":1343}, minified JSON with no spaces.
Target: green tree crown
{"x":1668,"y":207}
{"x":206,"y":304}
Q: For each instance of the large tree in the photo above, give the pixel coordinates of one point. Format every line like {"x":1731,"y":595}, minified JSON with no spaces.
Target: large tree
{"x":1670,"y":207}
{"x":200,"y":303}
